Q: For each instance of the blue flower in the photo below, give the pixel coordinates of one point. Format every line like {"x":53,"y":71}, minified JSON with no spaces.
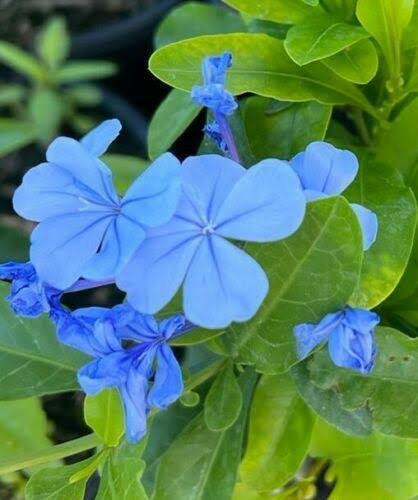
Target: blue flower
{"x":326,"y":171}
{"x":215,"y":97}
{"x":350,"y":336}
{"x":131,"y":353}
{"x":85,"y":228}
{"x":29,"y":296}
{"x":221,"y":200}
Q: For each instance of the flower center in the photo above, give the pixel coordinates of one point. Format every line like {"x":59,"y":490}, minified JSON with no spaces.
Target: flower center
{"x":208,"y":230}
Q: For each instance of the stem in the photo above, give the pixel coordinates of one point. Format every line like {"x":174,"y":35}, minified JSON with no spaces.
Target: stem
{"x":361,"y":126}
{"x":50,"y":454}
{"x":204,"y":375}
{"x":227,"y":135}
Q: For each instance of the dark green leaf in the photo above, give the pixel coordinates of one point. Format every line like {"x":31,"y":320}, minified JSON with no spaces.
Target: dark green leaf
{"x":328,"y":244}
{"x":14,"y":134}
{"x":104,"y":414}
{"x":54,"y":42}
{"x":284,"y":134}
{"x":224,"y":401}
{"x":279,"y":11}
{"x":171,"y":119}
{"x":194,"y":19}
{"x":261,"y":66}
{"x":14,"y":244}
{"x":32,"y":361}
{"x":11,"y":94}
{"x":279,"y":434}
{"x":320,"y":37}
{"x":76,"y":71}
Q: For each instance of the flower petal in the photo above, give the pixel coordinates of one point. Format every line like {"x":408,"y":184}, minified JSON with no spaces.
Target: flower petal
{"x":326,"y":169}
{"x":134,"y":397}
{"x":266,"y":204}
{"x":308,"y":336}
{"x":122,"y":239}
{"x":368,"y":223}
{"x":223,"y":284}
{"x":361,"y":320}
{"x":168,"y":381}
{"x":154,"y":196}
{"x":70,"y":155}
{"x":157,"y":270}
{"x":207,"y":180}
{"x":61,"y":246}
{"x":100,"y":138}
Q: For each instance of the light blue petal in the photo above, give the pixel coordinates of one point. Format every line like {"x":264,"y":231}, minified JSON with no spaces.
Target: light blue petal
{"x":61,"y":246}
{"x":266,"y":204}
{"x":313,"y":195}
{"x":154,"y":196}
{"x":207,"y":181}
{"x":69,"y":154}
{"x":109,"y":371}
{"x":223,"y":284}
{"x":100,"y":138}
{"x":326,"y":169}
{"x":153,"y":276}
{"x":361,"y":320}
{"x":173,"y":326}
{"x":134,"y":397}
{"x":168,"y":380}
{"x":368,"y":223}
{"x":122,"y":239}
{"x":214,"y":68}
{"x":141,"y":328}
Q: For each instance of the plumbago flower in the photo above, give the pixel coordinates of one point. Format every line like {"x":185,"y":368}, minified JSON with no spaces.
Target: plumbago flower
{"x":221,"y":200}
{"x":131,"y":353}
{"x":326,"y":171}
{"x":350,"y":336}
{"x":217,"y":98}
{"x":85,"y":228}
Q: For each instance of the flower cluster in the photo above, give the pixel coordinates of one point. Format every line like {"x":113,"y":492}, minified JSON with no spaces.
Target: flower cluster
{"x":176,"y":227}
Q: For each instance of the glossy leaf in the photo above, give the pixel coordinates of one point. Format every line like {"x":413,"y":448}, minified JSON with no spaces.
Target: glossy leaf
{"x":75,"y":71}
{"x":389,"y":393}
{"x":21,"y":62}
{"x":104,"y":414}
{"x":279,"y":434}
{"x":379,"y":466}
{"x":54,"y":42}
{"x":279,"y":11}
{"x":14,"y":134}
{"x":320,"y":37}
{"x":194,"y":19}
{"x":201,"y":463}
{"x":357,"y":63}
{"x":261,"y":66}
{"x":224,"y":401}
{"x":23,"y":427}
{"x":328,"y":244}
{"x":386,"y":20}
{"x":32,"y":361}
{"x":285,"y":133}
{"x":171,"y":119}
{"x":381,"y":189}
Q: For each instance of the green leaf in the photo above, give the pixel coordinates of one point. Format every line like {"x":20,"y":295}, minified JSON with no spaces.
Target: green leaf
{"x":285,"y":133}
{"x":14,"y":244}
{"x":201,"y":463}
{"x":388,"y":393}
{"x":327,"y":404}
{"x":381,"y":189}
{"x":14,"y":134}
{"x":58,"y":484}
{"x":357,"y":63}
{"x":279,"y":434}
{"x":32,"y":361}
{"x":21,"y":62}
{"x":379,"y":466}
{"x":23,"y":427}
{"x":224,"y":401}
{"x":11,"y":94}
{"x":104,"y":414}
{"x":75,"y":71}
{"x":261,"y":66}
{"x":125,"y":169}
{"x":320,"y":37}
{"x":197,"y":336}
{"x":120,"y":477}
{"x":194,"y":19}
{"x":410,"y":39}
{"x":279,"y":11}
{"x":54,"y":43}
{"x":85,"y":95}
{"x":328,"y":244}
{"x":171,"y":119}
{"x":314,"y":3}
{"x":386,"y":20}
{"x":190,"y":399}
{"x":46,"y":111}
